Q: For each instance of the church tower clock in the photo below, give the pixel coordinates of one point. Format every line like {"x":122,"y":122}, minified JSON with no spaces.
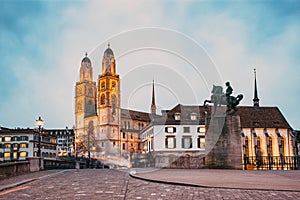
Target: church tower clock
{"x":85,"y":95}
{"x":109,"y":103}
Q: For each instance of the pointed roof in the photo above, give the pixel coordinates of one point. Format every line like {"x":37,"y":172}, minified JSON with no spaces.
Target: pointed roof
{"x":255,"y":99}
{"x":153,"y":106}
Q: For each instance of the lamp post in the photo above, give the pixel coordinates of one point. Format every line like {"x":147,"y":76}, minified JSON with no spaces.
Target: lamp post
{"x":39,"y":124}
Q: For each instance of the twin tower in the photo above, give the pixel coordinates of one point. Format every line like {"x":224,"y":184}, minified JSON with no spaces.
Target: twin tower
{"x":97,"y":106}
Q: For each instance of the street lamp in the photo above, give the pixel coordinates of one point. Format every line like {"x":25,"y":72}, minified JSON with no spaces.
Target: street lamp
{"x":39,"y":124}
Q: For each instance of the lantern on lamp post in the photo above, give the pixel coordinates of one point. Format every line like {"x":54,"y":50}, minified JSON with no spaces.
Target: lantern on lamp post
{"x":39,"y":124}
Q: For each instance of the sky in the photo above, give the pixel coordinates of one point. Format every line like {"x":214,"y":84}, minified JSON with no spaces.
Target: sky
{"x":184,"y":46}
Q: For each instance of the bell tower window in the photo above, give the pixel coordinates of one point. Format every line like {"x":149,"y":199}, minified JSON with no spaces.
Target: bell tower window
{"x":102,"y":99}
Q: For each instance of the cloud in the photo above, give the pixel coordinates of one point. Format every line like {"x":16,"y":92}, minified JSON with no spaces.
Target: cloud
{"x":44,"y":48}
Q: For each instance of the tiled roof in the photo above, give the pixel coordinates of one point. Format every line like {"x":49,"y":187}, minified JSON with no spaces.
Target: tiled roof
{"x":185,"y":115}
{"x":262,"y":117}
{"x":135,"y":115}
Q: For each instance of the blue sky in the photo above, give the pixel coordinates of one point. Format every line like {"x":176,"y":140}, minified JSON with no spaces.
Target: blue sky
{"x":43,"y":42}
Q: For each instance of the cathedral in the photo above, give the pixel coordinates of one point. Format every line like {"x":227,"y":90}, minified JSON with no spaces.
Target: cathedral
{"x":108,"y":132}
{"x":104,"y":128}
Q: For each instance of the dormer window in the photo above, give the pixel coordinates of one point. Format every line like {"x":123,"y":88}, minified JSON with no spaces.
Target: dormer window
{"x":177,"y":116}
{"x":193,"y":116}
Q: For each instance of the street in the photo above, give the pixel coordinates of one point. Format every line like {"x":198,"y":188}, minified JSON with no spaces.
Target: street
{"x":115,"y":184}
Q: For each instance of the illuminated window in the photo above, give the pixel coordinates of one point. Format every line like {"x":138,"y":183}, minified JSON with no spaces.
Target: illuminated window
{"x":177,"y":116}
{"x":201,"y":129}
{"x":186,"y":142}
{"x":283,"y":145}
{"x":15,"y":154}
{"x":170,"y":129}
{"x":271,"y":145}
{"x":258,"y":145}
{"x":23,"y":145}
{"x":23,"y":154}
{"x":193,"y":116}
{"x":7,"y":155}
{"x":7,"y":146}
{"x":247,"y":145}
{"x":186,"y":129}
{"x":170,"y":142}
{"x":201,"y":142}
{"x":7,"y":139}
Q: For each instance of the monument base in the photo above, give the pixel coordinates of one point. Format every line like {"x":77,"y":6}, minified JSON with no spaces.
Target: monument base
{"x":223,"y":148}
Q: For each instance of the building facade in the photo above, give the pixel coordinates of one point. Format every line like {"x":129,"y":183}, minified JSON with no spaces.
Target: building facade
{"x":101,"y":125}
{"x":19,"y":144}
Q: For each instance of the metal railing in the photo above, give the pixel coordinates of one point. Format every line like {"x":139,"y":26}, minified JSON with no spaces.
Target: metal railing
{"x":271,"y":162}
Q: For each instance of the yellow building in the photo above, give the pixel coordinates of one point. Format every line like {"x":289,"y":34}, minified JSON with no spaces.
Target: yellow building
{"x":105,"y":129}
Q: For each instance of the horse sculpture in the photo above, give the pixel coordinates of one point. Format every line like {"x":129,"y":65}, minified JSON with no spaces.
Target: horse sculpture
{"x":219,"y":98}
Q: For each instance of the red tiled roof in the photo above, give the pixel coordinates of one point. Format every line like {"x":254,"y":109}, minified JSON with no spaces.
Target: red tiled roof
{"x":262,"y":117}
{"x":136,"y":115}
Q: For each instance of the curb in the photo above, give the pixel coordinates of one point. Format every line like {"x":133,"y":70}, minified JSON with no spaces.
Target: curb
{"x":206,"y":186}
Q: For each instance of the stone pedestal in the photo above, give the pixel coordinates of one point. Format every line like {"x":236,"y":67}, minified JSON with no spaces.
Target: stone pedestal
{"x":223,"y":142}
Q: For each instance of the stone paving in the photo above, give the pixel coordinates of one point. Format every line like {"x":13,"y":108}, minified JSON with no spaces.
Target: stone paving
{"x":115,"y":184}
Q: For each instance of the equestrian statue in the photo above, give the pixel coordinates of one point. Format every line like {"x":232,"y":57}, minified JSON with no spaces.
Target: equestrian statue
{"x":219,"y":98}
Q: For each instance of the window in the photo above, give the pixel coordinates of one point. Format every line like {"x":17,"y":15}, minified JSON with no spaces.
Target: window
{"x":7,"y":139}
{"x":186,"y":142}
{"x":283,"y":145}
{"x":124,"y":135}
{"x":113,"y":85}
{"x":170,"y":142}
{"x":102,"y":99}
{"x":201,"y":142}
{"x":186,"y":129}
{"x":247,"y":145}
{"x":201,"y":129}
{"x":193,"y":116}
{"x":170,"y":129}
{"x":114,"y":143}
{"x":131,"y":136}
{"x":103,"y":85}
{"x":128,"y":125}
{"x":124,"y":124}
{"x":258,"y":145}
{"x":23,"y":145}
{"x":271,"y":145}
{"x":23,"y":154}
{"x":7,"y":155}
{"x":177,"y":116}
{"x":123,"y":146}
{"x":7,"y":146}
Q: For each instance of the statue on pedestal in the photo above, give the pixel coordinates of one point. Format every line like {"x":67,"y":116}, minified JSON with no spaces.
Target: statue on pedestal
{"x":219,"y":98}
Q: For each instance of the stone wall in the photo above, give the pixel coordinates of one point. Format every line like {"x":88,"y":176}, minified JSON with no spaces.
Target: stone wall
{"x":223,"y":143}
{"x":14,"y":168}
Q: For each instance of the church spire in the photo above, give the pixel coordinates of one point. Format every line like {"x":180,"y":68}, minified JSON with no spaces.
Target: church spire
{"x":256,"y":99}
{"x":153,"y":106}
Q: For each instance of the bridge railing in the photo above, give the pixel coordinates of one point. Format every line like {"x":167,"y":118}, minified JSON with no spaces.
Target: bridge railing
{"x":271,"y":162}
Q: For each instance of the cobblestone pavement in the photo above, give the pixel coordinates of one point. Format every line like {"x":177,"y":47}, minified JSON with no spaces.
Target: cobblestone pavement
{"x":113,"y":184}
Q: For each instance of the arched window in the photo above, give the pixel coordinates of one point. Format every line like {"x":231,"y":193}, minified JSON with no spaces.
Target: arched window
{"x":271,"y":145}
{"x":102,"y":99}
{"x":283,"y":146}
{"x":259,"y":145}
{"x":247,"y":145}
{"x":103,"y":85}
